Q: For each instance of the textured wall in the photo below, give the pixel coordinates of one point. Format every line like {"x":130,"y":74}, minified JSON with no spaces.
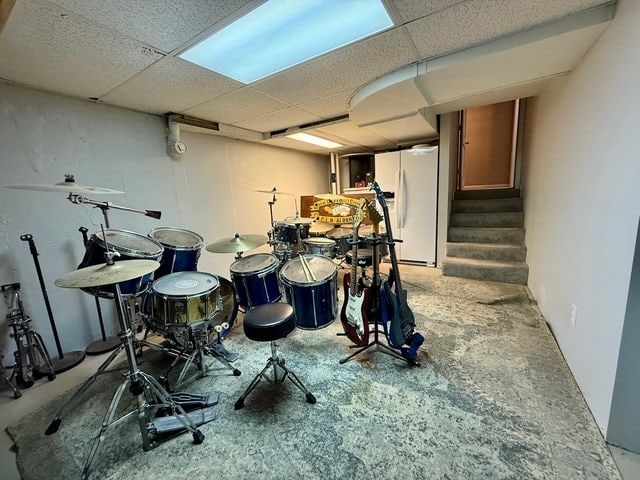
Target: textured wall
{"x":580,"y":178}
{"x":210,"y":191}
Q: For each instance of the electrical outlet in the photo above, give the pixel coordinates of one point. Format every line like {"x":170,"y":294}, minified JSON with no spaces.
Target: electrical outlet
{"x":574,"y":314}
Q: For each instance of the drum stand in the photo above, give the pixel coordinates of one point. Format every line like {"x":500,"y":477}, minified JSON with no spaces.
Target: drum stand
{"x":150,"y":397}
{"x":194,"y":351}
{"x":375,"y":241}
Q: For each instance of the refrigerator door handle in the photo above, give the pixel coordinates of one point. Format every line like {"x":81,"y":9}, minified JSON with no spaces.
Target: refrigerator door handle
{"x":404,"y":198}
{"x":398,"y":198}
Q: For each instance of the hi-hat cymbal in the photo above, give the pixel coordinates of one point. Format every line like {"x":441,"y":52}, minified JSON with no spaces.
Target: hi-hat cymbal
{"x":237,"y":243}
{"x":329,"y":196}
{"x":68,"y":186}
{"x":275,"y":191}
{"x":293,"y":221}
{"x":320,"y":227}
{"x":104,"y":274}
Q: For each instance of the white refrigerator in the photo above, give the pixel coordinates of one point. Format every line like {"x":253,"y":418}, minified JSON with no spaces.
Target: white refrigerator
{"x":409,"y":179}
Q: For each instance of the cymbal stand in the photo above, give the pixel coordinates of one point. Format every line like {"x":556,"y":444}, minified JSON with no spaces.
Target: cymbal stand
{"x":65,"y":360}
{"x":3,"y":376}
{"x":106,"y":206}
{"x":375,"y":241}
{"x":149,"y":394}
{"x":105,"y":344}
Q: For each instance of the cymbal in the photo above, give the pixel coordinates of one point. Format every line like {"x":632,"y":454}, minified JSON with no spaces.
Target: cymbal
{"x":329,"y":196}
{"x":68,"y":186}
{"x":275,"y":191}
{"x":297,"y":220}
{"x":320,"y":227}
{"x":237,"y":243}
{"x":104,"y":274}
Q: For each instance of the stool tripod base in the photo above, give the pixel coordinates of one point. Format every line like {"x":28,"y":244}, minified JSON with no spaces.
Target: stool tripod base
{"x":276,"y":363}
{"x":103,"y":346}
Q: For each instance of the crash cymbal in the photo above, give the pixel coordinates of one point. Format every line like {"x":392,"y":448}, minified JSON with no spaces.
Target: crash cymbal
{"x":329,"y":196}
{"x":237,"y":243}
{"x":320,"y":227}
{"x":293,"y":221}
{"x":275,"y":191}
{"x":104,"y":274}
{"x":68,"y":186}
{"x":340,"y":232}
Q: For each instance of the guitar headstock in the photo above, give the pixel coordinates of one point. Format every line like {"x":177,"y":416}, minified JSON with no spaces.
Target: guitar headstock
{"x":379,"y":193}
{"x":374,"y":215}
{"x":359,"y":216}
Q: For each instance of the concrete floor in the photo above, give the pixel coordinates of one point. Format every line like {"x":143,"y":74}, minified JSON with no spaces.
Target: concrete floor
{"x":34,"y":398}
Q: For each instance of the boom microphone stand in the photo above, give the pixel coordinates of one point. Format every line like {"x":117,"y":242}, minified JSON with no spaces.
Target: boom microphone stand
{"x":64,"y":361}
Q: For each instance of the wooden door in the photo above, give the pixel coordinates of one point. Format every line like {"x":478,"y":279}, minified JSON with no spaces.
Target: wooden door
{"x":488,"y":148}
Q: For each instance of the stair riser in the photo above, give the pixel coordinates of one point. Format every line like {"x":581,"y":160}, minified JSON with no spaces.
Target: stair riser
{"x":477,"y":252}
{"x":487,"y":235}
{"x":508,"y":274}
{"x":487,"y":206}
{"x":502,"y":219}
{"x":482,"y":194}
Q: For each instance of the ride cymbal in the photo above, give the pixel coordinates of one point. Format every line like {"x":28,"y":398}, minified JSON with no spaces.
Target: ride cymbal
{"x":105,"y":274}
{"x":293,"y":221}
{"x":275,"y":191}
{"x":68,"y":186}
{"x":320,"y":227}
{"x":237,"y":243}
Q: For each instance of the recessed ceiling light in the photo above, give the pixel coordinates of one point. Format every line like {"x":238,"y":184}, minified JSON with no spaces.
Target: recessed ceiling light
{"x":321,"y":142}
{"x":282,"y":33}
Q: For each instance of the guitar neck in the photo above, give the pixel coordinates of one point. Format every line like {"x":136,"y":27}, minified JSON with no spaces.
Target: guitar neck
{"x":353,"y":289}
{"x":392,"y":248}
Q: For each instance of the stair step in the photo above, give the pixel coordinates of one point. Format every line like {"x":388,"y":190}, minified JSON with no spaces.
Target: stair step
{"x":487,"y":205}
{"x":488,"y":193}
{"x":487,"y":251}
{"x":509,"y":236}
{"x":503,"y":272}
{"x":488,"y":219}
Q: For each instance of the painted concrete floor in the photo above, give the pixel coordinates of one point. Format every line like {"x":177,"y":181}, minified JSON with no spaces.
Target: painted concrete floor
{"x":447,"y":296}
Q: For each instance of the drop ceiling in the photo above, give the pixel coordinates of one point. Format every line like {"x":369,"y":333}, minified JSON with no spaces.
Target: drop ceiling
{"x":124,"y":53}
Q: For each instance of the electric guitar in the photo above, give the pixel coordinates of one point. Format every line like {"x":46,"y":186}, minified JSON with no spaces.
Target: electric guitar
{"x":396,"y":311}
{"x":357,"y":298}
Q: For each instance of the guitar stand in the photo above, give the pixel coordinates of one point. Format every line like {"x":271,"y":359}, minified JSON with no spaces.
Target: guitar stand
{"x":375,"y":241}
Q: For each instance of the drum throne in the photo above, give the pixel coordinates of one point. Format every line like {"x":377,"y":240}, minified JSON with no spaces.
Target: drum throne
{"x":268,"y":323}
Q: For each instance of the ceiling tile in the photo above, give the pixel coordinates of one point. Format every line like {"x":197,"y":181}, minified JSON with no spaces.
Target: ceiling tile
{"x":330,"y":106}
{"x":163,"y":24}
{"x":413,"y":9}
{"x":67,"y":54}
{"x":477,"y":21}
{"x":296,"y":145}
{"x":236,"y":106}
{"x":170,"y":85}
{"x":341,"y":70}
{"x":349,"y":132}
{"x":289,"y":117}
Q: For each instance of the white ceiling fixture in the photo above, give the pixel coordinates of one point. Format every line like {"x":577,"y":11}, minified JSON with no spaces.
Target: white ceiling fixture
{"x":280,"y":34}
{"x":321,"y":142}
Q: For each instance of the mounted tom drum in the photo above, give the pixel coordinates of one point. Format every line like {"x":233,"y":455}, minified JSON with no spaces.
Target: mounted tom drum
{"x":181,"y":249}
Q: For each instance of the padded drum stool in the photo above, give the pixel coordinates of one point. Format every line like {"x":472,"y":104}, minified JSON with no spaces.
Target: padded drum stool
{"x":268,"y":323}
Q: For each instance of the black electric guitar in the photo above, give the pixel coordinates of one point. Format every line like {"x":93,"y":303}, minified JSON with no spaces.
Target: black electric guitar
{"x":401,"y":330}
{"x":357,"y":298}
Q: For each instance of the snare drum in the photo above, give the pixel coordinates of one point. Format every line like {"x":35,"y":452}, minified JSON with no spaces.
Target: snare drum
{"x":181,"y":249}
{"x":342,"y":237}
{"x":314,"y":301}
{"x":130,"y":246}
{"x":320,"y":246}
{"x":184,"y":299}
{"x":256,"y":279}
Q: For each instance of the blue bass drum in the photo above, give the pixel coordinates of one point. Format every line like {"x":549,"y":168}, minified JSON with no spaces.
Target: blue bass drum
{"x":130,"y":246}
{"x":181,"y":249}
{"x":256,"y":279}
{"x":314,"y":300}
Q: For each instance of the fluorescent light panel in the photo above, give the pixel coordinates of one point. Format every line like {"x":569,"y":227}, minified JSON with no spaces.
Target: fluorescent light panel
{"x":321,"y":142}
{"x":282,"y":33}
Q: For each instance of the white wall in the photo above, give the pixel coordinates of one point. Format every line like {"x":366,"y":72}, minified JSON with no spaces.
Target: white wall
{"x":581,"y":181}
{"x":209,"y":191}
{"x":447,"y":165}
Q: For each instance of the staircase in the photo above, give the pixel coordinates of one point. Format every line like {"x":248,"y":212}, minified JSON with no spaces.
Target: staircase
{"x":486,"y":237}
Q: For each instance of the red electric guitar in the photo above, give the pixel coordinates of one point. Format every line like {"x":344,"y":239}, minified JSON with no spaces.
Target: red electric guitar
{"x":357,"y":298}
